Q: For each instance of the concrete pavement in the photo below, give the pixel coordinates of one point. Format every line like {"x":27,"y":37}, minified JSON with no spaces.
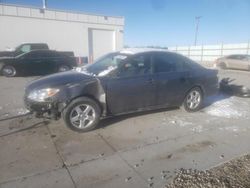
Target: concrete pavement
{"x":140,"y":150}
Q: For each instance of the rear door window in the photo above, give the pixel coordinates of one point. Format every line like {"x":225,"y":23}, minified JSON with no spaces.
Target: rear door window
{"x":35,"y":55}
{"x":168,"y":62}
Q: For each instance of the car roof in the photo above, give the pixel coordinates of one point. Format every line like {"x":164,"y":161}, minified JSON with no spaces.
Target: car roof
{"x":133,"y":51}
{"x":236,"y":55}
{"x":42,"y":50}
{"x":33,"y":43}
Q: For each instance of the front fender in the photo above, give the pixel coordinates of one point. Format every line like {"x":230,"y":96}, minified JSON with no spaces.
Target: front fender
{"x":90,"y":88}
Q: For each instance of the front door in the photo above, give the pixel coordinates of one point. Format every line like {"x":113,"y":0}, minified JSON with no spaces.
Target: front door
{"x":133,"y":89}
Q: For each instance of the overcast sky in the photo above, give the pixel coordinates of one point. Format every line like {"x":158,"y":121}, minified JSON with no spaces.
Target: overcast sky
{"x":168,"y":22}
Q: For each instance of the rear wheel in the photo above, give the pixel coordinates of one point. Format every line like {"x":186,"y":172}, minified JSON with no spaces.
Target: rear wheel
{"x":82,"y":115}
{"x":193,"y":100}
{"x":9,"y":71}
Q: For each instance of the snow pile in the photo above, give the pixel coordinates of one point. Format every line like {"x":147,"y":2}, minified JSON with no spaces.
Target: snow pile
{"x":229,"y":108}
{"x":181,"y":123}
{"x":22,"y":111}
{"x":198,"y":129}
{"x":184,"y":123}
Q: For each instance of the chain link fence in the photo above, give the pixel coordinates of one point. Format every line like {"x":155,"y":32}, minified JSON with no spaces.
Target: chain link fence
{"x":207,"y":54}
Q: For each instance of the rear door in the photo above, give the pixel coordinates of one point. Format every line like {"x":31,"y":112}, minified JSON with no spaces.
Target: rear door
{"x":172,"y":78}
{"x":133,"y":89}
{"x":52,"y":60}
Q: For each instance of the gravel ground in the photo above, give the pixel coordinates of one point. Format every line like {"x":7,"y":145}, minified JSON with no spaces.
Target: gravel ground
{"x":233,"y":174}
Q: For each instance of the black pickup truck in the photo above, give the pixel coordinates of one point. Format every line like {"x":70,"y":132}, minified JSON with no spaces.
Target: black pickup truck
{"x":37,"y":62}
{"x":24,"y":48}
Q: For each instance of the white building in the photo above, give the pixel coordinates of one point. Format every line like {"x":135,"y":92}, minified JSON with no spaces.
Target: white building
{"x":85,"y":34}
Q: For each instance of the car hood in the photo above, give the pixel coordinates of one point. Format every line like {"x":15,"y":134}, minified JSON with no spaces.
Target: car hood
{"x":59,"y":80}
{"x":6,"y":59}
{"x":7,"y":54}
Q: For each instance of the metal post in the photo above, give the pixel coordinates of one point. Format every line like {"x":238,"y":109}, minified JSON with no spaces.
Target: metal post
{"x":202,"y":53}
{"x":197,"y":19}
{"x":221,"y":51}
{"x":248,"y":46}
{"x":189,"y":51}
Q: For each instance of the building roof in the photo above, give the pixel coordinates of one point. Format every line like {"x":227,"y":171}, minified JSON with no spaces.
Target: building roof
{"x":60,"y":15}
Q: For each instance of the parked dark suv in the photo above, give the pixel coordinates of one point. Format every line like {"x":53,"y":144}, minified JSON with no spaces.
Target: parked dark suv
{"x":38,"y":62}
{"x":119,"y":83}
{"x":24,"y":48}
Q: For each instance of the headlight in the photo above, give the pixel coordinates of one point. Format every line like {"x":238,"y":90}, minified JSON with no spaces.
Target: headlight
{"x":42,"y":94}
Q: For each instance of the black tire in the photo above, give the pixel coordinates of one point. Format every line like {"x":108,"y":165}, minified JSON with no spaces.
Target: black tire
{"x":71,"y":110}
{"x":63,"y":68}
{"x":187,"y":101}
{"x":9,"y":71}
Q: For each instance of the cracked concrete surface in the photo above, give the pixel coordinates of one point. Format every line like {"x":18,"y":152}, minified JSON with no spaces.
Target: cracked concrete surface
{"x":140,"y":150}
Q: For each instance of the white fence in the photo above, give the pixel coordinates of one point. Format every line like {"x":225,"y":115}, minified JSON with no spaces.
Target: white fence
{"x":206,"y":53}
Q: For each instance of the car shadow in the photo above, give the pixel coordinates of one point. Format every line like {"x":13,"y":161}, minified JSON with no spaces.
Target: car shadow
{"x":115,"y":119}
{"x":227,"y":86}
{"x":227,"y":89}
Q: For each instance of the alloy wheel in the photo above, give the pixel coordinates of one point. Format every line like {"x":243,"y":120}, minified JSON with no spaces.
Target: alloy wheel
{"x":82,"y":116}
{"x":193,"y":99}
{"x":9,"y":71}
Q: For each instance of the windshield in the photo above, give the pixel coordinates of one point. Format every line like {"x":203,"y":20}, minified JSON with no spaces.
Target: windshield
{"x":21,"y":49}
{"x":103,"y":65}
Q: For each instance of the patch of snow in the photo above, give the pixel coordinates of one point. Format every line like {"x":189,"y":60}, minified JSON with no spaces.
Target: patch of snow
{"x":22,"y":111}
{"x":173,"y":121}
{"x":183,"y":123}
{"x":198,"y":129}
{"x":233,"y":129}
{"x":228,"y":108}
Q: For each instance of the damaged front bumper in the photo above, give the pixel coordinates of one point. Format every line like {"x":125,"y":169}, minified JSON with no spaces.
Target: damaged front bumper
{"x":51,"y":110}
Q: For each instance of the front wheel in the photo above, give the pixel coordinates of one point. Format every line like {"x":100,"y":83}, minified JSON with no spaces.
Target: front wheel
{"x":82,"y":115}
{"x":193,"y":100}
{"x":9,"y":71}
